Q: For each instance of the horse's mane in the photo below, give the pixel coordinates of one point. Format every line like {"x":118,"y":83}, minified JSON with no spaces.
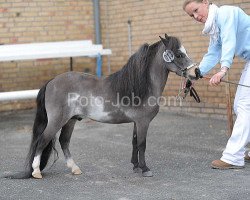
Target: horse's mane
{"x":134,"y":78}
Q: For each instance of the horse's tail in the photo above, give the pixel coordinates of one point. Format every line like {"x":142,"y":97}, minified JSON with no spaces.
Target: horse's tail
{"x":39,"y":126}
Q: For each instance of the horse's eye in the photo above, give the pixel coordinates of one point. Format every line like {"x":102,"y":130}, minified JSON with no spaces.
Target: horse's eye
{"x":180,"y":55}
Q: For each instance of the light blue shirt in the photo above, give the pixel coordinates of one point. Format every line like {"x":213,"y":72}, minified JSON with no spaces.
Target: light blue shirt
{"x":234,"y":39}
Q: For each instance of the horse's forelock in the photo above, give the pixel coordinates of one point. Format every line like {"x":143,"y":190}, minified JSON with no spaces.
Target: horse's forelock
{"x":174,"y":44}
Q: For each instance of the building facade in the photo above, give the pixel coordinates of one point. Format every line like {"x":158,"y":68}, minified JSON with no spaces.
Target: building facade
{"x":125,"y":26}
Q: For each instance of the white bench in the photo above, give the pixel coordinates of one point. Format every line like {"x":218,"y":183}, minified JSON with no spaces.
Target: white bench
{"x":46,"y":50}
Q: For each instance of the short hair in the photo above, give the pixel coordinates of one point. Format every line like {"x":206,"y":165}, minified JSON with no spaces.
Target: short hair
{"x":186,"y":2}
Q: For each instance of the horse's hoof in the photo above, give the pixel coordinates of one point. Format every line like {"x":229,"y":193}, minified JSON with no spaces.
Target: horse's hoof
{"x":77,"y":172}
{"x":137,"y":170}
{"x":147,"y":174}
{"x":37,"y":175}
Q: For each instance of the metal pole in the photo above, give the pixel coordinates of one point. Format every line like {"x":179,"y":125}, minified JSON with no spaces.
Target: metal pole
{"x":129,"y":38}
{"x":97,"y":21}
{"x":99,"y":66}
{"x":107,"y":34}
{"x":97,"y":34}
{"x":229,"y":103}
{"x":71,"y":64}
{"x":18,"y":95}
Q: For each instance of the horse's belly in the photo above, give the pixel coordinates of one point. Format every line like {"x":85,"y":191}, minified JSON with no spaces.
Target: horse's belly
{"x":100,"y":116}
{"x":97,"y":112}
{"x":112,"y":117}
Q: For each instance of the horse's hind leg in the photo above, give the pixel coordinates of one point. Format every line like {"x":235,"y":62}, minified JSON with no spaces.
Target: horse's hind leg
{"x":49,"y":133}
{"x":64,"y":140}
{"x":134,"y":158}
{"x":142,"y":129}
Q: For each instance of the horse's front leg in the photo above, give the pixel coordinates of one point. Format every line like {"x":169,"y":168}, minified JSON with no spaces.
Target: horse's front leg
{"x":142,"y":129}
{"x":134,"y":158}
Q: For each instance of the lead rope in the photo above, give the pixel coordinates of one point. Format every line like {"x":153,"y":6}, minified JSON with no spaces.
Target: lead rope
{"x":208,"y":78}
{"x":181,"y":89}
{"x":186,"y":87}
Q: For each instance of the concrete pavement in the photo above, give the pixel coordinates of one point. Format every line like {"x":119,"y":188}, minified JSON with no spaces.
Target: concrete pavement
{"x":179,"y":151}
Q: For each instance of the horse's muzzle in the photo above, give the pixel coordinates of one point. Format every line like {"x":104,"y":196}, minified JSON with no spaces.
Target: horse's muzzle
{"x":189,"y":71}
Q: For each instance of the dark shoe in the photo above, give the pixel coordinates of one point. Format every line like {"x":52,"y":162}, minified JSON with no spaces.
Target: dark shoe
{"x":247,"y":157}
{"x":219,"y":164}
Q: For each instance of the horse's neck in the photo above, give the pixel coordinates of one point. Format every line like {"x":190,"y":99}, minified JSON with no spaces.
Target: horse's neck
{"x":158,"y":74}
{"x":158,"y":80}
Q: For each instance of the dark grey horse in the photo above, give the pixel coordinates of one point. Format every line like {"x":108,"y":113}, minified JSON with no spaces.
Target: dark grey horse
{"x":129,"y":95}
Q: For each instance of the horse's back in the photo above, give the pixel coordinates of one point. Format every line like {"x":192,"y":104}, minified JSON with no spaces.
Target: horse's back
{"x":73,"y":78}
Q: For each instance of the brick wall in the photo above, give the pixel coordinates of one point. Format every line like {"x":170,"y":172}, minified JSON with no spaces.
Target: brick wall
{"x":54,"y":20}
{"x":28,"y":21}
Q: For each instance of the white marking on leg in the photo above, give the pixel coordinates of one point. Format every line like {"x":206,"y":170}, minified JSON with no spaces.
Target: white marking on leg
{"x":36,"y":163}
{"x":74,"y":168}
{"x":36,"y":167}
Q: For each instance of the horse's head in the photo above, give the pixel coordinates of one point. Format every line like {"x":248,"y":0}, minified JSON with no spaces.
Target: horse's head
{"x":176,"y":57}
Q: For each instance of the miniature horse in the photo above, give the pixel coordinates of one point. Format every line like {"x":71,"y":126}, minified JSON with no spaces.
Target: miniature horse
{"x":128,"y":95}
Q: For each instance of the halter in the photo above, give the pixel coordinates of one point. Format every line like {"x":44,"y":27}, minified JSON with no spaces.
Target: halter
{"x":168,"y":56}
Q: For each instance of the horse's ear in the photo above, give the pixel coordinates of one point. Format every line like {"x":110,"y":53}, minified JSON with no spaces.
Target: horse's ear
{"x":165,"y":42}
{"x":166,"y":36}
